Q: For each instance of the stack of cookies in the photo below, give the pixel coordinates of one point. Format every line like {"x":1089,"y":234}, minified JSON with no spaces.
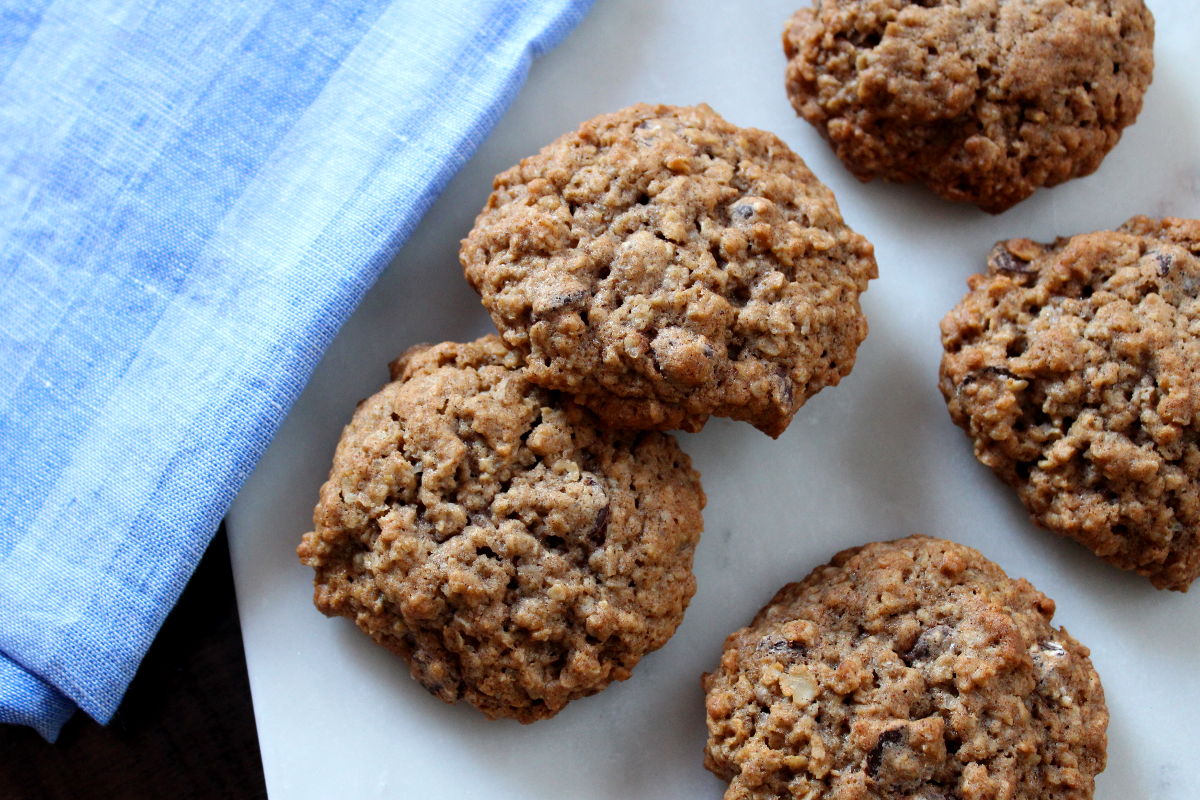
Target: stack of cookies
{"x":508,"y":514}
{"x":512,"y":517}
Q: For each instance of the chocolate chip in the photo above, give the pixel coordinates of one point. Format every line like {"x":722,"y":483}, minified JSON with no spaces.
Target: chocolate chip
{"x":742,"y":211}
{"x":1001,"y":260}
{"x":986,"y":371}
{"x":930,"y":644}
{"x":785,"y":387}
{"x":776,"y":645}
{"x":599,"y":531}
{"x":1052,"y":647}
{"x":1165,"y":262}
{"x":889,"y":738}
{"x":566,"y":299}
{"x":1049,"y":659}
{"x":1000,"y":371}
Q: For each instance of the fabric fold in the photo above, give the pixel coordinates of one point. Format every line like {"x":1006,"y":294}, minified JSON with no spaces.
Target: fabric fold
{"x":26,"y":700}
{"x":196,"y":199}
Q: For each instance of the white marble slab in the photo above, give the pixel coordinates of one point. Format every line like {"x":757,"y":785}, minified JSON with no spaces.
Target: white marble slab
{"x":876,"y":457}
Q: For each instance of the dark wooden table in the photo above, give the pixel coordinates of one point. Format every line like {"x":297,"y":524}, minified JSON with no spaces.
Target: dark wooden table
{"x":185,"y":729}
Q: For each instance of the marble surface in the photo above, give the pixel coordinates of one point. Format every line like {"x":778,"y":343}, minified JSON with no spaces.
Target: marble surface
{"x":876,"y":457}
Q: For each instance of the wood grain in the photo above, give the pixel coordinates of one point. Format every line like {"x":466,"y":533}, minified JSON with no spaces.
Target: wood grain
{"x":185,"y":729}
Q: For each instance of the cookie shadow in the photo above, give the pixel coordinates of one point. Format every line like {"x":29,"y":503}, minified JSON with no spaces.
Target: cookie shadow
{"x":890,"y":448}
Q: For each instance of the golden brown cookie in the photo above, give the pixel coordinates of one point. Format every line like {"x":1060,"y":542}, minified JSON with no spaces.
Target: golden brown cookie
{"x":909,"y":669}
{"x":982,"y":100}
{"x":663,"y":265}
{"x":516,"y":554}
{"x":1075,"y":367}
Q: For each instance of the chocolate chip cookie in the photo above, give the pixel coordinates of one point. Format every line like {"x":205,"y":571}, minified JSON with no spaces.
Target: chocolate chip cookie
{"x":1075,"y":367}
{"x":907,"y":669}
{"x":982,"y":100}
{"x":516,"y":554}
{"x":662,"y":265}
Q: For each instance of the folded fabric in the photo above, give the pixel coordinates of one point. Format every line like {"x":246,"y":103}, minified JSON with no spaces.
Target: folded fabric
{"x":195,"y":197}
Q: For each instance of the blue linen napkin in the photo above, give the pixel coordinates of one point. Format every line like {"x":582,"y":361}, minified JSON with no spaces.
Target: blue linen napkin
{"x":193,"y":197}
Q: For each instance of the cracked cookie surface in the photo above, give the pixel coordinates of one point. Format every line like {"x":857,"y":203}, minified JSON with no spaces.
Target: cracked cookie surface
{"x":516,"y":554}
{"x":984,"y":101}
{"x":662,"y":265}
{"x":1075,"y":368}
{"x":909,"y":669}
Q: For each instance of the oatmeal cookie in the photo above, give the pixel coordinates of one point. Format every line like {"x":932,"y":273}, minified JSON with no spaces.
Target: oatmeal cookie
{"x":1075,"y":367}
{"x":662,"y":265}
{"x":909,"y":669}
{"x":517,"y":555}
{"x":982,"y":100}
